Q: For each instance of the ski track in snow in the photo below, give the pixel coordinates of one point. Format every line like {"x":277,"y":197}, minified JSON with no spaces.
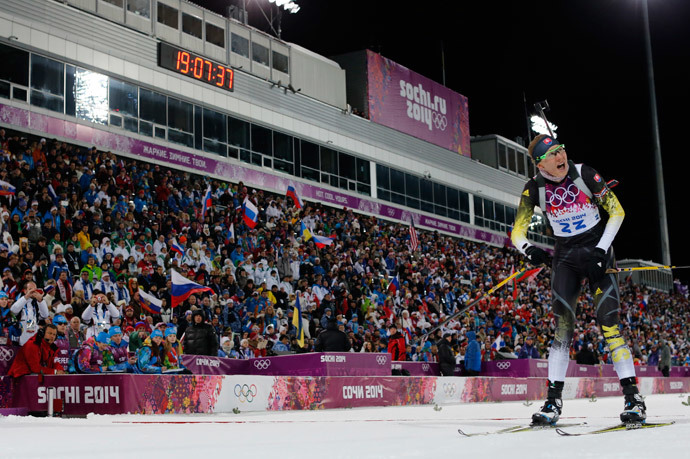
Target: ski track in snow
{"x":392,"y":432}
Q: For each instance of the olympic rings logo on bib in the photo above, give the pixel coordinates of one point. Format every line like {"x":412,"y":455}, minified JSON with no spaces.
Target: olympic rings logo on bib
{"x":562,"y":196}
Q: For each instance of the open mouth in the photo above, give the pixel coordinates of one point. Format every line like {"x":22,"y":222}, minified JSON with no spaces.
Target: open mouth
{"x":561,"y":166}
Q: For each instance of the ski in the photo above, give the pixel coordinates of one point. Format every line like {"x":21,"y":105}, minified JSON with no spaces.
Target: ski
{"x":520,"y":428}
{"x":616,"y":428}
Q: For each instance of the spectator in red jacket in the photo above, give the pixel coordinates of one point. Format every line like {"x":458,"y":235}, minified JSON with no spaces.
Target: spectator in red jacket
{"x":396,"y":343}
{"x":37,"y":356}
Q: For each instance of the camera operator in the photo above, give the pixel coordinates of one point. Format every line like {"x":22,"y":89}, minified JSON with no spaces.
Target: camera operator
{"x":37,"y":356}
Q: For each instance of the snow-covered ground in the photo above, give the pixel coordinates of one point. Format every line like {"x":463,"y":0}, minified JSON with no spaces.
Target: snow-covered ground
{"x":358,"y":433}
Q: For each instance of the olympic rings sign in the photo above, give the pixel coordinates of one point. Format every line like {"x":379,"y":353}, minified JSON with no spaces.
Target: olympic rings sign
{"x":562,"y":195}
{"x":440,"y":121}
{"x":381,"y":359}
{"x":262,"y":364}
{"x":6,"y":354}
{"x":245,"y":392}
{"x":503,"y":365}
{"x":449,"y":389}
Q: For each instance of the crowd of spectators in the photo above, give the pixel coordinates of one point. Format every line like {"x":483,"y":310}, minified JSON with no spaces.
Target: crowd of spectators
{"x":85,"y":231}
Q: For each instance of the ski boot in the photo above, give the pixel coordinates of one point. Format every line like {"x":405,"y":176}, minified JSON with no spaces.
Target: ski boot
{"x":635,"y":409}
{"x":550,"y":412}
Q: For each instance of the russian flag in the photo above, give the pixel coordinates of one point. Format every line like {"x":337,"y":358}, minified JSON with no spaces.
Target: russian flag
{"x":208,"y":202}
{"x":182,"y":288}
{"x":51,"y":192}
{"x":251,"y":213}
{"x":175,"y":247}
{"x":394,"y":286}
{"x":297,"y":320}
{"x":149,"y":302}
{"x":292,"y":193}
{"x":321,"y":241}
{"x":7,"y":189}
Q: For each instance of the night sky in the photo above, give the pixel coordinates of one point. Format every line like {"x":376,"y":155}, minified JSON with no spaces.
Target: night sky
{"x":587,"y":57}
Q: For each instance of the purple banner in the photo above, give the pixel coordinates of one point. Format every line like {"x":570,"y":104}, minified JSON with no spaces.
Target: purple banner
{"x":408,"y":102}
{"x":418,"y":368}
{"x":7,"y":355}
{"x":311,"y":364}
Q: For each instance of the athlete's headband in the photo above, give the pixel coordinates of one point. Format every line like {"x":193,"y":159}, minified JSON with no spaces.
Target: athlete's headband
{"x":543,"y":147}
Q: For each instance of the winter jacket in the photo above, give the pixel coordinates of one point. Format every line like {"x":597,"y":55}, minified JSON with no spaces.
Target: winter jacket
{"x":446,"y":358}
{"x":63,"y":353}
{"x":332,"y":339}
{"x":396,"y":346}
{"x":116,"y":357}
{"x":528,"y":352}
{"x":36,"y":356}
{"x":200,"y":339}
{"x":88,"y":359}
{"x":473,"y":353}
{"x":146,"y":361}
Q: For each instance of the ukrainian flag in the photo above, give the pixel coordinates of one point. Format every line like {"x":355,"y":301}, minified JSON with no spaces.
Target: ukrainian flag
{"x":297,"y":321}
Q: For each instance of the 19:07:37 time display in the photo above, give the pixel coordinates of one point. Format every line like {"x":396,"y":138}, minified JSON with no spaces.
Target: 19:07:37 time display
{"x":203,"y":69}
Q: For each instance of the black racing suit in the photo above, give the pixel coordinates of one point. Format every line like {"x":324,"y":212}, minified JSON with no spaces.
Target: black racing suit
{"x":578,"y":230}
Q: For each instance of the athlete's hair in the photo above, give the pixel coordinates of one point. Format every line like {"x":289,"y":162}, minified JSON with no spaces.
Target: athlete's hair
{"x":532,"y":144}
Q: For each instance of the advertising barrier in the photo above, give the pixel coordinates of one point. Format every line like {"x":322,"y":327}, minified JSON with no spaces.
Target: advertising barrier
{"x":161,"y":394}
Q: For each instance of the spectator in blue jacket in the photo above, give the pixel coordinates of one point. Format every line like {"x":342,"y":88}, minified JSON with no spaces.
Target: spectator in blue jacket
{"x":529,"y":350}
{"x":473,"y":355}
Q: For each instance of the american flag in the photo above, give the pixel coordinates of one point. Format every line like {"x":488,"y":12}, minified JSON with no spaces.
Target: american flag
{"x":414,"y":241}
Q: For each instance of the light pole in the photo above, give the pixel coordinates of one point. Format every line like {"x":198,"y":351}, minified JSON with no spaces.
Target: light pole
{"x":661,"y":196}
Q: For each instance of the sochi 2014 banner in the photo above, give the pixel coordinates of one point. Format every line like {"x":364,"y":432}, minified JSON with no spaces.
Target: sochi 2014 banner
{"x":408,"y":102}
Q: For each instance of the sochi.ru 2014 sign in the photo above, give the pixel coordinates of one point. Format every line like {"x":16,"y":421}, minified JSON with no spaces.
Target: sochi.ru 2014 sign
{"x":408,"y":102}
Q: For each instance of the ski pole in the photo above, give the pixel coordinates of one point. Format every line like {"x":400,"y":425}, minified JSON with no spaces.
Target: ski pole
{"x":475,"y":301}
{"x":642,"y":268}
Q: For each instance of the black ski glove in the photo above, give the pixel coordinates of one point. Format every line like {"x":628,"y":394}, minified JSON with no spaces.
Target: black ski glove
{"x":596,"y":266}
{"x":535,"y":255}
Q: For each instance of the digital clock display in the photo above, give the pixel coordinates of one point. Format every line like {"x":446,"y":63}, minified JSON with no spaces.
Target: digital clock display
{"x":195,"y":66}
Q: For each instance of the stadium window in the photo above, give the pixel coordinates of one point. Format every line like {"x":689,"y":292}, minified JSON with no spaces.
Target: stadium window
{"x":191,"y":25}
{"x":180,"y":115}
{"x":167,"y":15}
{"x":238,"y":133}
{"x":382,"y":178}
{"x":152,"y":107}
{"x":329,"y":161}
{"x":502,"y":160}
{"x":215,"y":35}
{"x":521,"y":163}
{"x":512,"y":166}
{"x":139,"y":7}
{"x":47,"y":83}
{"x":398,"y":182}
{"x":124,"y":98}
{"x":347,"y":168}
{"x":91,"y":96}
{"x":262,"y":142}
{"x":426,"y":188}
{"x":282,"y":147}
{"x":15,"y":67}
{"x":363,"y":171}
{"x":280,"y":62}
{"x":412,"y":187}
{"x":239,"y":45}
{"x":214,"y":126}
{"x":260,"y":54}
{"x":452,"y":203}
{"x":118,"y":3}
